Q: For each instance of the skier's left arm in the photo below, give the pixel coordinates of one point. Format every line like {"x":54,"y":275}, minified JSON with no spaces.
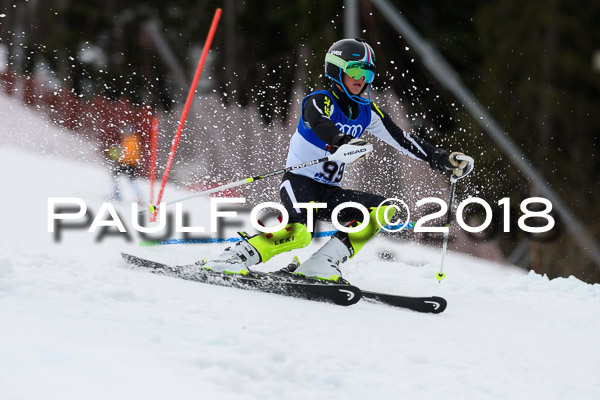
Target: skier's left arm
{"x":385,"y":129}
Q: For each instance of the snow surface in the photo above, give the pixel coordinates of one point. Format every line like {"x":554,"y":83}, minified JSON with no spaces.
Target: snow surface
{"x":77,"y":323}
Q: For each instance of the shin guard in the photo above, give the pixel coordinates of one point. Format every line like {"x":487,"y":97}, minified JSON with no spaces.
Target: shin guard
{"x":378,"y":217}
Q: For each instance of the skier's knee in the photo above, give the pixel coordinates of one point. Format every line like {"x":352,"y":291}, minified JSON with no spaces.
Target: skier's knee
{"x":293,"y":236}
{"x":378,"y":217}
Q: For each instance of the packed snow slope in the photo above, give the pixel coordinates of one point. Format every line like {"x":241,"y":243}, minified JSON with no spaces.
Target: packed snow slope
{"x":78,"y":323}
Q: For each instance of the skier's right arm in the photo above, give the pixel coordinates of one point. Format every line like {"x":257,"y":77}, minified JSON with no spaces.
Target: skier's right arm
{"x":316,"y":113}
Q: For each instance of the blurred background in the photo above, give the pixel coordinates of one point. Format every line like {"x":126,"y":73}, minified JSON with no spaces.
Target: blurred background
{"x":513,"y":84}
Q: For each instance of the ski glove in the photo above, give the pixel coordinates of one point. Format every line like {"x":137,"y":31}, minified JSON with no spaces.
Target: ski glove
{"x":450,"y":163}
{"x":360,"y":142}
{"x":339,"y":140}
{"x":343,"y":139}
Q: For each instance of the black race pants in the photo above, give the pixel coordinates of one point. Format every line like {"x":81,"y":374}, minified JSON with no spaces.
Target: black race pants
{"x":300,"y":189}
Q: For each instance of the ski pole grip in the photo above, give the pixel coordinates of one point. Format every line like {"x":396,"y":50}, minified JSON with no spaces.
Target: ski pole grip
{"x":468,"y":169}
{"x":348,"y":153}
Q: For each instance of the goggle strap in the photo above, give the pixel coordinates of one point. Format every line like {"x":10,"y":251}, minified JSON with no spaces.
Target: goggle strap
{"x":335,"y":60}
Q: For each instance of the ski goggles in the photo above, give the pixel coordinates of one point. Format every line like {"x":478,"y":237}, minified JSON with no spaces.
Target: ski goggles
{"x":354,"y":69}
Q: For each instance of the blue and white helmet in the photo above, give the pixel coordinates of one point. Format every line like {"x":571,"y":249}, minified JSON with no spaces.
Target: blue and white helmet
{"x":355,"y":58}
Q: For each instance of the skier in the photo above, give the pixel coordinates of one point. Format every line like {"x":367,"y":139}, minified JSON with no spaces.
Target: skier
{"x":125,"y":159}
{"x":329,"y":119}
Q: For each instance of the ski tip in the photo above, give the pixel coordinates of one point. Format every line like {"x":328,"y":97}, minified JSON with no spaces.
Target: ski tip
{"x":347,"y":295}
{"x":438,"y":304}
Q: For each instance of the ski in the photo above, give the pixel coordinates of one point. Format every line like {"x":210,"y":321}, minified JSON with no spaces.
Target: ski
{"x":344,"y":295}
{"x":433,"y":304}
{"x":285,"y":283}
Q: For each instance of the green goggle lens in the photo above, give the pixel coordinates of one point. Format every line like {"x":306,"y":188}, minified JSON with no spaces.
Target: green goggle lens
{"x":358,"y":70}
{"x":354,"y":69}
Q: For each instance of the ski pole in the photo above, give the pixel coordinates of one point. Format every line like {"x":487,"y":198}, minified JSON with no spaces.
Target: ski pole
{"x":347,"y":154}
{"x":453,"y":179}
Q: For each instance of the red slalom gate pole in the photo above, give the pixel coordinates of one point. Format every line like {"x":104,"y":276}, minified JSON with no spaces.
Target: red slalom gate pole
{"x":153,"y":147}
{"x":186,"y":109}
